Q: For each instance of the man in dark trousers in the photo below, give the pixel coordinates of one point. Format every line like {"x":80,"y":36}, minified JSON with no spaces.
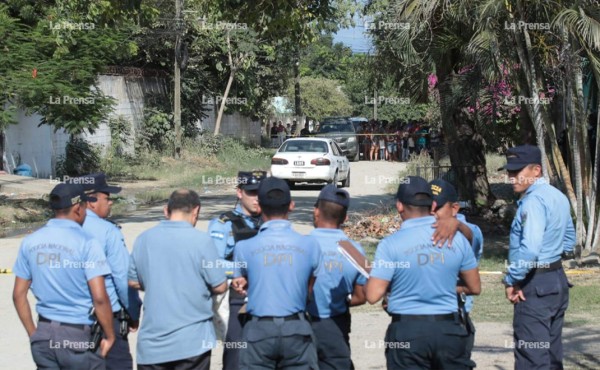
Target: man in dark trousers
{"x":124,"y":300}
{"x":449,"y":222}
{"x":65,"y":269}
{"x":176,"y":265}
{"x":338,"y":286}
{"x":226,"y":230}
{"x":535,"y":280}
{"x":276,"y":269}
{"x":426,"y":330}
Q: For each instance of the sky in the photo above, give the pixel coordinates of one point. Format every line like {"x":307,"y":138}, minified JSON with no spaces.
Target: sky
{"x":355,"y":37}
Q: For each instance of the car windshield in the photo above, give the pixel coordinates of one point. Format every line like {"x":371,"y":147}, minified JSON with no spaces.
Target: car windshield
{"x":337,"y":127}
{"x":304,"y":146}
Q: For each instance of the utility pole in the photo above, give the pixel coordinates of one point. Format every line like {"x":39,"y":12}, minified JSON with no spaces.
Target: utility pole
{"x":375,"y":104}
{"x":297,"y":99}
{"x":177,"y":90}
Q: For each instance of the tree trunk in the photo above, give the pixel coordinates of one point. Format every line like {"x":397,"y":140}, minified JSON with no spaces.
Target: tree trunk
{"x":232,"y":68}
{"x":222,"y":107}
{"x":2,"y":150}
{"x":466,"y":147}
{"x":592,"y":234}
{"x":297,"y":96}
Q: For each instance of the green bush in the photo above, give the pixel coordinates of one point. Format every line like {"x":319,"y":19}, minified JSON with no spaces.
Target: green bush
{"x":80,"y":158}
{"x":157,"y":131}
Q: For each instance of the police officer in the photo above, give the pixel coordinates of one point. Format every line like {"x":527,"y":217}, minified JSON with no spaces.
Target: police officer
{"x":177,"y":267}
{"x":275,"y":269}
{"x":125,"y":301}
{"x":65,"y":268}
{"x":449,"y":222}
{"x":426,"y":331}
{"x":336,"y":280}
{"x":226,"y":230}
{"x":535,"y":280}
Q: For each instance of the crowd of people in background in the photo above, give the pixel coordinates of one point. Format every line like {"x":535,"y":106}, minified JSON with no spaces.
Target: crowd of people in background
{"x":378,"y":140}
{"x":395,"y":141}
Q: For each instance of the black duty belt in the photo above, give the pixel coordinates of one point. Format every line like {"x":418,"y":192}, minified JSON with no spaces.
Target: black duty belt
{"x":445,"y":317}
{"x":76,"y":326}
{"x":556,"y":265}
{"x":295,"y":316}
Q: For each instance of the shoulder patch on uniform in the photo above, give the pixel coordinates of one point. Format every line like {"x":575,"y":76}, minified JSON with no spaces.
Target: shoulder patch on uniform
{"x":217,"y":235}
{"x":113,"y":222}
{"x":223,"y":218}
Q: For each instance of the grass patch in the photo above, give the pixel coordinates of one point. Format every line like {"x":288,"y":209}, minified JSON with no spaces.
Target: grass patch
{"x":206,"y":162}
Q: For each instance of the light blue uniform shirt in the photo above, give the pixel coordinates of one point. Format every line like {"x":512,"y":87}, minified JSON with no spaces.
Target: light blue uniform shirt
{"x":278,"y":263}
{"x":176,"y":265}
{"x":222,"y":235}
{"x":111,"y":239}
{"x":422,"y":276}
{"x":336,"y":276}
{"x":541,"y":231}
{"x":59,"y":259}
{"x":477,"y":245}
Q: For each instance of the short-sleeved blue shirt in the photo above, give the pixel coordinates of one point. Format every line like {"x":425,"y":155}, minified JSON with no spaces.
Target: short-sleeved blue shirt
{"x":59,"y":259}
{"x":541,"y":231}
{"x":422,"y":276}
{"x":278,"y":263}
{"x":111,"y":239}
{"x":336,"y":277}
{"x":177,"y":266}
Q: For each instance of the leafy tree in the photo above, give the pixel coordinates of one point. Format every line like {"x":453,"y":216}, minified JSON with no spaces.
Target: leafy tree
{"x":323,"y":58}
{"x":52,"y":55}
{"x":321,"y":98}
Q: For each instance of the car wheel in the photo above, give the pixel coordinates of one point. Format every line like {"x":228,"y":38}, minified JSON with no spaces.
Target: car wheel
{"x":346,"y":182}
{"x":356,"y":157}
{"x":334,"y":181}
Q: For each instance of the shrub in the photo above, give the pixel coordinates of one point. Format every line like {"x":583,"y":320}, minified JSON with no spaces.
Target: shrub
{"x":80,"y":158}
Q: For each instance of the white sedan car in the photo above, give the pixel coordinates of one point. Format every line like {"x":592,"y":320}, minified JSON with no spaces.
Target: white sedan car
{"x":311,"y":160}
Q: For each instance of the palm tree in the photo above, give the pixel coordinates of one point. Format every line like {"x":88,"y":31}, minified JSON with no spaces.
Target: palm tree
{"x":542,"y":43}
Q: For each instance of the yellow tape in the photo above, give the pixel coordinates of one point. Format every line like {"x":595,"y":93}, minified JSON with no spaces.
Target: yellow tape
{"x":568,"y":272}
{"x":5,"y":271}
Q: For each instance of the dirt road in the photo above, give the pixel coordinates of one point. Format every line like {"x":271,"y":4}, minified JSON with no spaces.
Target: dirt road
{"x":368,"y":189}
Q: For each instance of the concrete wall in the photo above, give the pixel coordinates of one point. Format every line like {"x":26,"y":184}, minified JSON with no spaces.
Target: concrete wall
{"x":235,"y":125}
{"x":41,"y":147}
{"x":38,"y":147}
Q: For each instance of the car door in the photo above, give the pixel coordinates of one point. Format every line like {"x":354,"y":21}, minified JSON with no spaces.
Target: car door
{"x":338,"y":157}
{"x":344,"y":162}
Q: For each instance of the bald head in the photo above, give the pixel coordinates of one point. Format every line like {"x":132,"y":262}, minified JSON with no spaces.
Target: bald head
{"x":183,"y":200}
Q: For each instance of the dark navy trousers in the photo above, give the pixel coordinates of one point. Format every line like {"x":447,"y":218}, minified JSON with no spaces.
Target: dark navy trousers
{"x":233,"y":337}
{"x":416,"y":344}
{"x":333,"y":342}
{"x":119,"y":356}
{"x":538,"y":321}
